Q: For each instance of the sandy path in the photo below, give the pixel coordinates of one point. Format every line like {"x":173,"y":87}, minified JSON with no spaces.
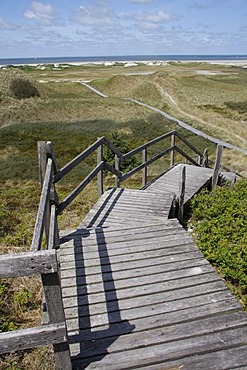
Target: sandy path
{"x":165,"y":93}
{"x":179,"y":122}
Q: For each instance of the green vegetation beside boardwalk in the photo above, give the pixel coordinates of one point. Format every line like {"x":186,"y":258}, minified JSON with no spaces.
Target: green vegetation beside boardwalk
{"x":220,"y":226}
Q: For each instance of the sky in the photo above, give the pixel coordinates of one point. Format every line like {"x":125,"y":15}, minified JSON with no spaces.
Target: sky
{"x":59,"y":28}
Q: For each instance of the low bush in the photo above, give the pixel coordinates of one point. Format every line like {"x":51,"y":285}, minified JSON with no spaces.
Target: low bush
{"x":22,"y":88}
{"x":220,"y":225}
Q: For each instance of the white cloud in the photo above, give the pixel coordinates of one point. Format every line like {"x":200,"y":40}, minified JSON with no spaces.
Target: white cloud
{"x":142,"y":1}
{"x":42,"y":13}
{"x":7,"y":25}
{"x":199,"y":5}
{"x":98,"y":14}
{"x":160,"y":16}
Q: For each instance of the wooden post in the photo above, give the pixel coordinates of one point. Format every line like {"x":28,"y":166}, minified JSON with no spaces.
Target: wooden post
{"x":100,"y":174}
{"x":144,"y":171}
{"x":181,"y":195}
{"x":204,"y":162}
{"x":217,"y":166}
{"x":54,"y":303}
{"x":117,"y":166}
{"x":42,"y":158}
{"x":172,"y":152}
{"x":54,"y":200}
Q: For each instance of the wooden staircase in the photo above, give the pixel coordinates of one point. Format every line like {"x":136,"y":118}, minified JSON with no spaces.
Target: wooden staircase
{"x":138,"y":293}
{"x":128,"y":288}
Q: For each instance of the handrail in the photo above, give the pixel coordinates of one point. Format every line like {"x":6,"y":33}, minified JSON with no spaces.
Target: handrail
{"x":191,"y":146}
{"x":145,"y":164}
{"x":80,"y":187}
{"x":145,"y":146}
{"x":77,"y":160}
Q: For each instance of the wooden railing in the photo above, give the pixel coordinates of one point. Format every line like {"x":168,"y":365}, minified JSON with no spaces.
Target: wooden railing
{"x":42,"y":259}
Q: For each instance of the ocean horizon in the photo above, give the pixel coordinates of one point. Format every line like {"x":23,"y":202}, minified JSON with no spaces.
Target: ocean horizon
{"x":120,"y":58}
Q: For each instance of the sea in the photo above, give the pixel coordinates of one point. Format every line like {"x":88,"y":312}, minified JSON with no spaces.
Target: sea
{"x":120,"y":58}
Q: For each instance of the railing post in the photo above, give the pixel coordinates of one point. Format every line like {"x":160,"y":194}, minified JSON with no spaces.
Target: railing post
{"x":54,"y":200}
{"x":144,"y":171}
{"x":217,"y":166}
{"x":181,"y":195}
{"x":117,"y":166}
{"x":204,"y":162}
{"x":42,"y":158}
{"x":54,"y":303}
{"x":173,"y":138}
{"x":100,"y":174}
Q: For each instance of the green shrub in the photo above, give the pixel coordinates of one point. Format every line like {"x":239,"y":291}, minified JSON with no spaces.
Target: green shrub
{"x":122,"y":145}
{"x":22,"y":88}
{"x":220,"y":224}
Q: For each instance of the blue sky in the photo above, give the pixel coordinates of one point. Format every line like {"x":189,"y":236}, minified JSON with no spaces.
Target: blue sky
{"x":122,"y":27}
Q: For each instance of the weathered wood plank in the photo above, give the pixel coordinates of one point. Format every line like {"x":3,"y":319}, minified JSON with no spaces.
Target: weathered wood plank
{"x":32,"y":337}
{"x":137,"y":287}
{"x":140,"y":280}
{"x":56,"y":314}
{"x":168,"y":254}
{"x":139,"y":291}
{"x":163,"y":334}
{"x":118,"y":266}
{"x":28,"y":263}
{"x":44,"y":199}
{"x":175,"y":350}
{"x":144,"y":301}
{"x":160,"y":319}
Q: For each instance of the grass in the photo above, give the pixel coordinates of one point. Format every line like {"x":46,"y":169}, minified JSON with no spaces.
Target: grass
{"x":72,"y":117}
{"x":220,"y":225}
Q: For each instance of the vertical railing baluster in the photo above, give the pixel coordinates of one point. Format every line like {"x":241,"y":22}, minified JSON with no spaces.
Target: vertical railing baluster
{"x":144,"y":171}
{"x":117,"y":167}
{"x":100,"y":174}
{"x":217,"y":166}
{"x":172,"y":156}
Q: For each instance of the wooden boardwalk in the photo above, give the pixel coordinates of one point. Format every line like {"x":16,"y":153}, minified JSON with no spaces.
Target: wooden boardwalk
{"x":137,"y":292}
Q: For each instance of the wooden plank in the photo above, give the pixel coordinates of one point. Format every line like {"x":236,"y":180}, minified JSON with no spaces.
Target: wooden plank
{"x":163,"y":334}
{"x":72,"y":297}
{"x":134,"y":251}
{"x":161,"y":319}
{"x":19,"y":340}
{"x":27,"y":264}
{"x":174,"y":350}
{"x":143,"y":302}
{"x":119,"y":265}
{"x":55,"y":310}
{"x":132,"y":287}
{"x":53,"y":241}
{"x":44,"y":199}
{"x":230,"y":317}
{"x":73,"y":258}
